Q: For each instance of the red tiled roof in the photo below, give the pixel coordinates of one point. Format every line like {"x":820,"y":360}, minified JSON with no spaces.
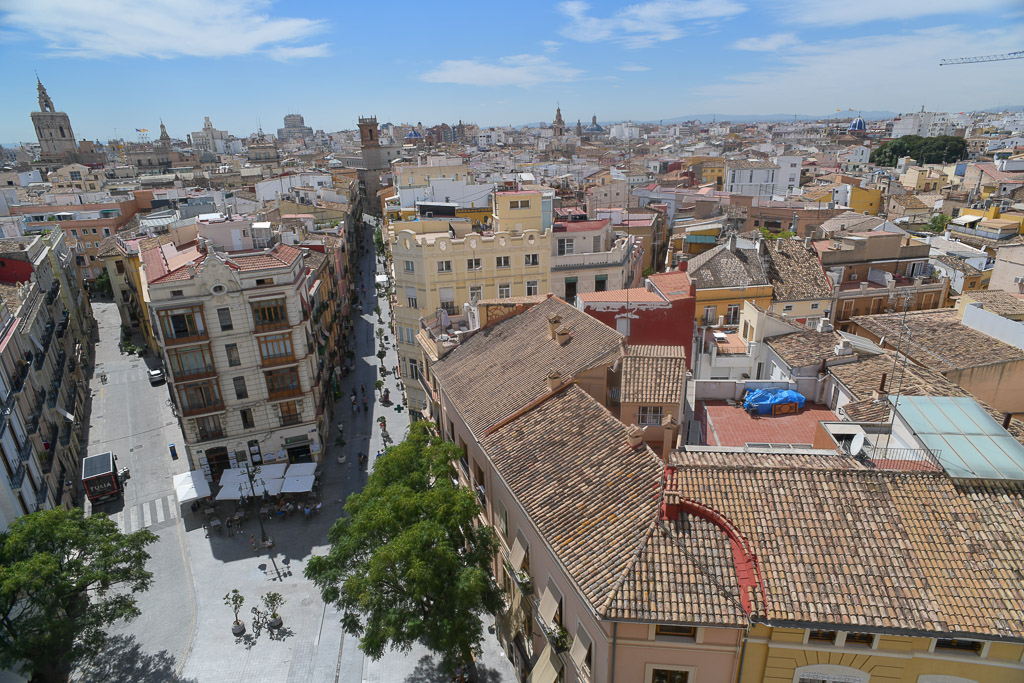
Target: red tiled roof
{"x":280,"y":256}
{"x":732,"y":426}
{"x":580,"y":226}
{"x":674,"y":285}
{"x":635,"y":294}
{"x":153,"y":260}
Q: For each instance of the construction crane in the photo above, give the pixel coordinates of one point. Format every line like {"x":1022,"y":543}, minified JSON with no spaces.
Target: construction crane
{"x":1019,"y":54}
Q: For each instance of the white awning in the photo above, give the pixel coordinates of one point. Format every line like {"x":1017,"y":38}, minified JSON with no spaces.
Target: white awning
{"x":300,"y":469}
{"x":547,"y":667}
{"x":260,"y":486}
{"x":549,"y":605}
{"x":518,"y":555}
{"x":299,"y":484}
{"x":580,"y":646}
{"x":189,"y":486}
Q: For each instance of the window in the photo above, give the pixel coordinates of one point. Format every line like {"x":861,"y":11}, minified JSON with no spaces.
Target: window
{"x":174,"y":292}
{"x":182,"y":325}
{"x":821,"y":636}
{"x":410,"y":267}
{"x":787,"y":308}
{"x":958,"y":644}
{"x":414,"y":369}
{"x":473,"y":264}
{"x":853,"y":276}
{"x":208,"y":427}
{"x":600,"y":283}
{"x":504,"y":290}
{"x":290,"y":414}
{"x":247,"y":421}
{"x":444,"y":266}
{"x":75,"y":175}
{"x":270,"y":315}
{"x":860,"y":639}
{"x":581,"y":652}
{"x":190,"y":362}
{"x":648,"y":415}
{"x":502,"y":517}
{"x":710,"y":316}
{"x":828,"y":673}
{"x":622,"y":325}
{"x":732,"y":314}
{"x":675,"y":631}
{"x":502,"y":262}
{"x":476,"y":292}
{"x":447,"y":296}
{"x":669,"y":676}
{"x":410,"y":298}
{"x":814,"y":307}
{"x":531,"y":288}
{"x":224,"y":316}
{"x":596,"y":246}
{"x":282,"y":383}
{"x":264,"y":281}
{"x":199,"y":396}
{"x":232,"y":351}
{"x":533,"y":259}
{"x":241,"y":392}
{"x":276,"y":349}
{"x":566,"y":246}
{"x":519,"y":204}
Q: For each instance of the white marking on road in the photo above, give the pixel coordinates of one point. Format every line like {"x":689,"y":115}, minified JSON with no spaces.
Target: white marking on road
{"x":172,"y":503}
{"x":146,"y":519}
{"x":118,"y":518}
{"x":159,"y":510}
{"x":135,"y":519}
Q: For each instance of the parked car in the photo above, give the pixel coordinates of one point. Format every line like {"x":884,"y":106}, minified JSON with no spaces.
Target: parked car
{"x":156,"y":376}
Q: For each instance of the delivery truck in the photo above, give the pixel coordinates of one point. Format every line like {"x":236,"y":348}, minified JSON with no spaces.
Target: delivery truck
{"x":101,"y":478}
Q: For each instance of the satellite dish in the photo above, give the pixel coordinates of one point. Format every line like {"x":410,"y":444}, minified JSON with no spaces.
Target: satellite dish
{"x":857,"y":444}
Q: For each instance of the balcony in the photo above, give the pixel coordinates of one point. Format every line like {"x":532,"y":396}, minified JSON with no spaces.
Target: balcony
{"x":42,"y":496}
{"x":47,"y":336}
{"x":51,"y":294}
{"x":65,"y":436}
{"x":187,"y":337}
{"x":194,"y":374}
{"x":275,"y":361}
{"x":202,"y":408}
{"x":18,"y":477}
{"x":283,"y":393}
{"x":18,"y":380}
{"x":288,"y":420}
{"x":521,"y":579}
{"x":25,"y":451}
{"x":261,"y":326}
{"x":209,"y":434}
{"x":47,"y":464}
{"x":62,"y":326}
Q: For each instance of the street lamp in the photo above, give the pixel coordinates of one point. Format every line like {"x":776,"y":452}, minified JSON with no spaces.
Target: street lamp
{"x":251,"y":472}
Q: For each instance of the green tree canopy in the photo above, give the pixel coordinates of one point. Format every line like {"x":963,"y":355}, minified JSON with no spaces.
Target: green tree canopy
{"x":64,"y":577}
{"x":409,"y":564}
{"x":937,"y":223}
{"x":944,"y":149}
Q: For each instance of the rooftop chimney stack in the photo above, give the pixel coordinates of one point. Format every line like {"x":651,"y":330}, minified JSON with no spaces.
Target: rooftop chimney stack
{"x":554,"y":322}
{"x":635,"y":437}
{"x":554,"y":379}
{"x":563,"y":335}
{"x":670,"y":427}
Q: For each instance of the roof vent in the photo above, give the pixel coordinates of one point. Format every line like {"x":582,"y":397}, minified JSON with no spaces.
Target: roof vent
{"x":563,"y":335}
{"x":554,"y":379}
{"x":554,"y":322}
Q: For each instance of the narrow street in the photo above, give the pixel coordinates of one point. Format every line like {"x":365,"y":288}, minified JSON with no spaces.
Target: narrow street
{"x":183,"y":633}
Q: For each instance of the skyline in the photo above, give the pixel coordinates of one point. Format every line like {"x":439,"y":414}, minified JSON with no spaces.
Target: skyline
{"x":245,"y":64}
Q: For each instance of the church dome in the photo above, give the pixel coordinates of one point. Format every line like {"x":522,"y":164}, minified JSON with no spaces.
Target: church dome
{"x":858,"y":124}
{"x":413,"y":135}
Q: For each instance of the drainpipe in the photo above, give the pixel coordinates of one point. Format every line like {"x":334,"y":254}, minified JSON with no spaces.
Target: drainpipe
{"x":615,"y":631}
{"x":743,"y":651}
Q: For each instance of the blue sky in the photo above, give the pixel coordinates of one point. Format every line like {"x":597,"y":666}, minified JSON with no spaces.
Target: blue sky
{"x":120,"y":65}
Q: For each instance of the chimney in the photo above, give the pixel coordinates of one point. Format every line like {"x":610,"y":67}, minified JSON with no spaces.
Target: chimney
{"x":843,"y":348}
{"x":881,"y":384}
{"x":670,"y":427}
{"x":824,"y":325}
{"x":554,"y":379}
{"x":731,"y":242}
{"x":807,"y":242}
{"x":635,"y":438}
{"x":563,"y":335}
{"x":553,"y":324}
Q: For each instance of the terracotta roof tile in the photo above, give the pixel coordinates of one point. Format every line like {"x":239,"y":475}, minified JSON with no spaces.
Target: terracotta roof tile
{"x":801,"y":349}
{"x":719,"y":267}
{"x":997,"y":301}
{"x":652,"y":379}
{"x":795,"y":272}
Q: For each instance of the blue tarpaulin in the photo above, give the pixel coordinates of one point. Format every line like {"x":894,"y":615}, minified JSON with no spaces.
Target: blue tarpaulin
{"x":764,"y":399}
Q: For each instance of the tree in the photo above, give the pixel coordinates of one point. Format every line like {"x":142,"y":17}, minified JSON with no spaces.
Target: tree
{"x":937,"y":223}
{"x":943,"y":149}
{"x":64,"y":578}
{"x":102,"y":284}
{"x":409,"y":563}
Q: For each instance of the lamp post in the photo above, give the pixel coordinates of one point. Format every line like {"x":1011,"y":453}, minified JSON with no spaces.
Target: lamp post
{"x":251,"y":472}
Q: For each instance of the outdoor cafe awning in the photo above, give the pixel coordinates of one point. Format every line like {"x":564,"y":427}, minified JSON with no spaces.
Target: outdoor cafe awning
{"x":302,"y":483}
{"x":189,"y":486}
{"x":259,"y":485}
{"x":301,"y":468}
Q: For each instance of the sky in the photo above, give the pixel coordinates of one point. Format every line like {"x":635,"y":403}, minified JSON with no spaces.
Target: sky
{"x":118,"y":65}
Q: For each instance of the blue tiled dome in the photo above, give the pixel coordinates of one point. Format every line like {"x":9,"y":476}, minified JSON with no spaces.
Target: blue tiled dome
{"x":858,"y":124}
{"x":413,"y":135}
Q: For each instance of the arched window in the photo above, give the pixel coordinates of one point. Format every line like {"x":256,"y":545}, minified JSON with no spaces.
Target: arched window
{"x":62,"y":131}
{"x":829,"y":673}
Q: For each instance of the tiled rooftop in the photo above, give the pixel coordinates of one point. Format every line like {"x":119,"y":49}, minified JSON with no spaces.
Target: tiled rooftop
{"x":673,"y":284}
{"x":281,"y":256}
{"x":805,"y":348}
{"x":719,"y":267}
{"x":730,"y":425}
{"x":504,"y":366}
{"x":999,"y":302}
{"x":938,"y":340}
{"x":795,"y":272}
{"x":635,"y":294}
{"x":653,"y":379}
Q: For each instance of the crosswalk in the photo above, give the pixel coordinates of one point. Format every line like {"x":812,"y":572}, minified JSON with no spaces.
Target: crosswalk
{"x":147,"y":514}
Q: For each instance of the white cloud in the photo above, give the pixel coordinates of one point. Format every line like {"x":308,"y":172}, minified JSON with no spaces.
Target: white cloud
{"x":643,"y":24}
{"x":817,"y":13}
{"x":551,"y":45}
{"x":520,"y":70}
{"x":634,"y":67}
{"x":819,"y":78}
{"x":769,"y":43}
{"x":163,"y":28}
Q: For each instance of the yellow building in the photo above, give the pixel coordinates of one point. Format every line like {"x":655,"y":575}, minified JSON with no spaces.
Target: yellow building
{"x":992,"y":213}
{"x":725,"y":277}
{"x":785,"y":655}
{"x":708,"y":170}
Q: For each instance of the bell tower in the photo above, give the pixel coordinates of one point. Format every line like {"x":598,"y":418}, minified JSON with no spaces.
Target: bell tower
{"x":369,"y":136}
{"x":53,"y":130}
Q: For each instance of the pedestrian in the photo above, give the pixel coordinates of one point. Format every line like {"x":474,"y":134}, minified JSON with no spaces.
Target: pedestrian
{"x":363,"y":388}
{"x":252,"y":541}
{"x":364,"y":403}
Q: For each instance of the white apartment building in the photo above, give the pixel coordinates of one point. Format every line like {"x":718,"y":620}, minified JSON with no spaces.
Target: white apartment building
{"x":788,"y":178}
{"x":924,"y":123}
{"x":588,"y":256}
{"x":238,"y":346}
{"x":751,"y":178}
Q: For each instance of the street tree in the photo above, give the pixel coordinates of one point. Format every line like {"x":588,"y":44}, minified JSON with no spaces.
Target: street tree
{"x":409,"y":563}
{"x":64,"y":578}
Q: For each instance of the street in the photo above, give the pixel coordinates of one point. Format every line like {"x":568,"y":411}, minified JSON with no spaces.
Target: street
{"x":184,"y":631}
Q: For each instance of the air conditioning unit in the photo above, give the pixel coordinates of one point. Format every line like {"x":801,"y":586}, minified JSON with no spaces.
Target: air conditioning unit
{"x":1019,"y":280}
